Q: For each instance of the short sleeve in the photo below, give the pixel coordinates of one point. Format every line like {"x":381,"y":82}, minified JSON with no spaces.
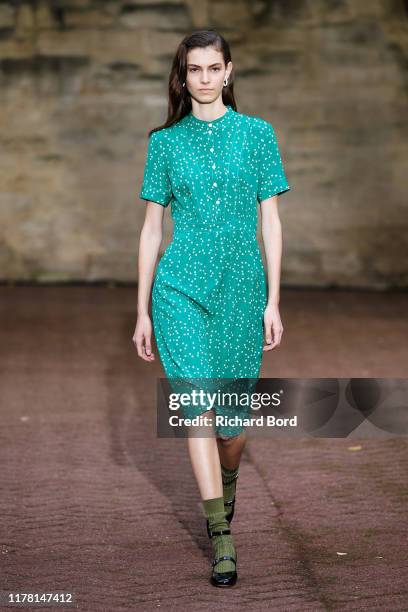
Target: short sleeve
{"x":271,"y":175}
{"x":156,"y":185}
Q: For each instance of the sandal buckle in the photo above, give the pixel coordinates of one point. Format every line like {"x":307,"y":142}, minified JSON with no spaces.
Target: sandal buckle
{"x":224,"y":558}
{"x":221,"y":532}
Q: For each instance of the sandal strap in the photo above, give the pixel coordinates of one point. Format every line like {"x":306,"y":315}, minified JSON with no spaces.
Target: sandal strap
{"x":224,"y":558}
{"x":221,"y":532}
{"x":232,"y":479}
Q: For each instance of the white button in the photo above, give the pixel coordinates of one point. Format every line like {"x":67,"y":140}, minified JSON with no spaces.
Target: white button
{"x":210,"y":125}
{"x":213,"y":166}
{"x":209,"y":131}
{"x":214,"y":184}
{"x":212,"y":149}
{"x":217,"y":201}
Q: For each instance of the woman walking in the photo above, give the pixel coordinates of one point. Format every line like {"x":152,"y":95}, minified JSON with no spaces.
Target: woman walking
{"x":212,"y":314}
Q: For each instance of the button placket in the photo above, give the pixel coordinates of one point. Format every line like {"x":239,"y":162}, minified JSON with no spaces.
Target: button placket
{"x":213,"y":166}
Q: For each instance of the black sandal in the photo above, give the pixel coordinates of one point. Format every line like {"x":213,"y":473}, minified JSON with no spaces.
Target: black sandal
{"x":223,"y":579}
{"x":231,"y":504}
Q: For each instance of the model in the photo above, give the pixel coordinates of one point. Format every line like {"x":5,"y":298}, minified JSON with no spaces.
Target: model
{"x":213,"y":316}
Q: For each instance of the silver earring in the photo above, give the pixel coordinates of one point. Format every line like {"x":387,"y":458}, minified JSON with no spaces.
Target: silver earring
{"x":225,"y":82}
{"x":184,"y":84}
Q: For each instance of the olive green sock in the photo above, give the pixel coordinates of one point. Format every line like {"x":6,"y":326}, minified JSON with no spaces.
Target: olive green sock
{"x":223,"y":544}
{"x":229,"y":483}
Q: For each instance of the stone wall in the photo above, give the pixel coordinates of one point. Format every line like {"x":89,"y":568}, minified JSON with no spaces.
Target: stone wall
{"x":82,"y":81}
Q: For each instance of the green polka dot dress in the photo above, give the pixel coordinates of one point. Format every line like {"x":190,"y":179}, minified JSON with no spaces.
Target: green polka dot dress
{"x":209,"y":292}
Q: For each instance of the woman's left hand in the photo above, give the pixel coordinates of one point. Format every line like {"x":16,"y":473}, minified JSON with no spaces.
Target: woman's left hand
{"x":273,"y":327}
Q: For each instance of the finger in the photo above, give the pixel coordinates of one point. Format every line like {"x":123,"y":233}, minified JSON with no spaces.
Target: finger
{"x":148,"y":347}
{"x":148,"y":353}
{"x":139,"y":347}
{"x":276,"y":341}
{"x":268,"y":335}
{"x":268,"y":347}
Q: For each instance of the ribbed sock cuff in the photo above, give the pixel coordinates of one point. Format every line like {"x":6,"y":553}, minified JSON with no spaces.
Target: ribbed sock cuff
{"x":228,"y":475}
{"x":213,"y":506}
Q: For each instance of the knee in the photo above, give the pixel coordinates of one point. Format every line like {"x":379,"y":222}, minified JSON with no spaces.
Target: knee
{"x":227,"y":441}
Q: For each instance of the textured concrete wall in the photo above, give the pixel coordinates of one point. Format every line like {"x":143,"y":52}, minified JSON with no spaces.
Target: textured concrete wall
{"x":82,"y":80}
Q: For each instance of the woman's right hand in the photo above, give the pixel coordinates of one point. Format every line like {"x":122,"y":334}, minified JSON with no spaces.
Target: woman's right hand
{"x":142,"y":337}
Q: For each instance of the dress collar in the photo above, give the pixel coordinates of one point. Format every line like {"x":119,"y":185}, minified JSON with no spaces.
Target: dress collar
{"x":202,"y":123}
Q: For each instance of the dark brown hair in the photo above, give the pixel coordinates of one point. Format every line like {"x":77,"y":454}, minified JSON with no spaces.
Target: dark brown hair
{"x":179,"y":103}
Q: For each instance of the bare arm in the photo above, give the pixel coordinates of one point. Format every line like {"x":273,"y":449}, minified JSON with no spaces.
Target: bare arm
{"x":272,"y":240}
{"x":149,"y":244}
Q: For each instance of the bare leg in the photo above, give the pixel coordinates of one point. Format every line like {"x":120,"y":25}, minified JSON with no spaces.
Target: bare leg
{"x":205,"y":462}
{"x":206,"y":455}
{"x":230,"y":450}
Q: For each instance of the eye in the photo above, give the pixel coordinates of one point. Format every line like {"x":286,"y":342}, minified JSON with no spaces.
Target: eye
{"x":216,"y":68}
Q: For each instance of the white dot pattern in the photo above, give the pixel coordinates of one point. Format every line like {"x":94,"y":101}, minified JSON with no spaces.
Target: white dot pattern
{"x":209,"y":291}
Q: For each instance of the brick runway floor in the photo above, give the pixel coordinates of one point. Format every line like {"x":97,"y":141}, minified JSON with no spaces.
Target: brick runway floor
{"x":93,"y":503}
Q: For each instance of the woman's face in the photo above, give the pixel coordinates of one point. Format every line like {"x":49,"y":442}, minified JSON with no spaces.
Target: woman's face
{"x":206,"y":72}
